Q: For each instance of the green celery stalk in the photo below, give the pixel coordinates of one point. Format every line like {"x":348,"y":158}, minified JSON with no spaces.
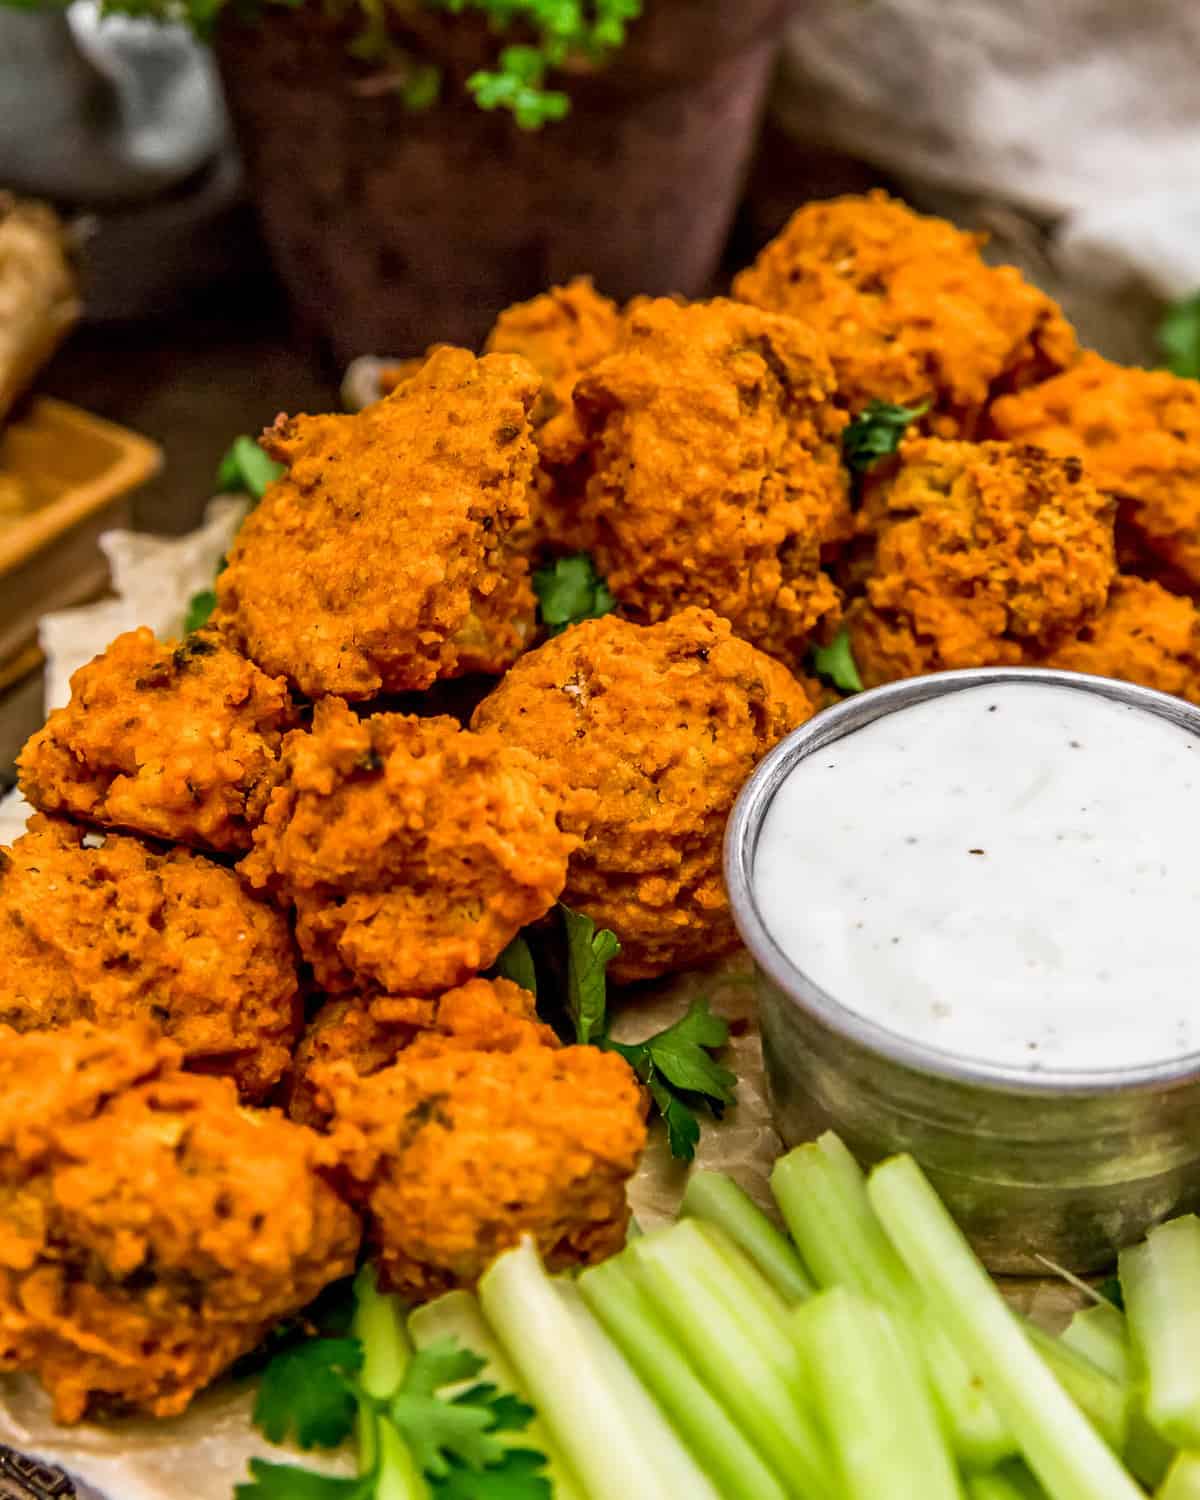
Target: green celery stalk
{"x":1183,"y":1479}
{"x":378,"y":1324}
{"x":1011,"y":1482}
{"x":1060,"y":1445}
{"x":822,"y":1194}
{"x":872,"y":1396}
{"x":740,"y":1346}
{"x":1106,"y":1402}
{"x":456,"y":1315}
{"x":1099,"y":1332}
{"x":717,"y":1199}
{"x":612,"y":1292}
{"x":1160,"y":1280}
{"x":611,"y":1446}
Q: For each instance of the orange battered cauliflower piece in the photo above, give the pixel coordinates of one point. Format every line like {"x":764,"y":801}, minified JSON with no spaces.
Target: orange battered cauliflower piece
{"x":908,"y":309}
{"x":366,"y":1031}
{"x":715,"y":470}
{"x":154,"y":1230}
{"x":1138,"y":431}
{"x":481,"y":1132}
{"x":100,"y":927}
{"x":381,"y":560}
{"x":654,"y":729}
{"x":414,"y":850}
{"x":177,"y":740}
{"x":984,"y":553}
{"x":1144,"y":635}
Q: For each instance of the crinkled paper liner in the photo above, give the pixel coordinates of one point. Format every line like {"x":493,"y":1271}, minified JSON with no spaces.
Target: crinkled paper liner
{"x":202,"y":1454}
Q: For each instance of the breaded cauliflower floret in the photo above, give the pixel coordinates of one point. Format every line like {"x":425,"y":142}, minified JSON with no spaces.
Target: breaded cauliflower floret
{"x":371,"y":1031}
{"x":984,"y":553}
{"x":154,"y":1230}
{"x":908,"y":309}
{"x":482,"y":1132}
{"x":1144,"y":635}
{"x":654,"y":728}
{"x":715,"y":470}
{"x":1138,"y":432}
{"x":414,"y":850}
{"x":374,"y":564}
{"x":177,"y":740}
{"x":102,"y":928}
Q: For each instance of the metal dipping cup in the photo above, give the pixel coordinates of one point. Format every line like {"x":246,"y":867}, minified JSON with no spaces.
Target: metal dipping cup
{"x":1069,"y":1165}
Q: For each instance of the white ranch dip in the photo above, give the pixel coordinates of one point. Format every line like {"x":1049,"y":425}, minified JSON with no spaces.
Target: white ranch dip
{"x":1007,"y":873}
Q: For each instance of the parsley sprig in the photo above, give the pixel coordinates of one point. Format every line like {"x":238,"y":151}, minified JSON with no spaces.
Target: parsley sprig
{"x":876,"y":433}
{"x":244,"y":470}
{"x":570,"y":590}
{"x":1179,"y":337}
{"x":437,"y":1421}
{"x":675,"y":1064}
{"x":835,"y":663}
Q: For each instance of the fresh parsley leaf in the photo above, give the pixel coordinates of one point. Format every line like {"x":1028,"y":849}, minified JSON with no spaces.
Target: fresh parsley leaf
{"x":836,"y":664}
{"x":681,"y":1076}
{"x":200,"y":607}
{"x":246,"y":469}
{"x":589,"y":954}
{"x":1179,"y":337}
{"x":440,"y":1431}
{"x":876,"y":433}
{"x":518,"y":1476}
{"x":516,"y":963}
{"x":270,"y":1481}
{"x":443,"y":1362}
{"x":305,"y":1390}
{"x":570,"y":590}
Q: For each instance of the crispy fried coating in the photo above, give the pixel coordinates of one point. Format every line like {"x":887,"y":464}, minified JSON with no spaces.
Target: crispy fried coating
{"x":100,"y":927}
{"x":908,"y":309}
{"x":654,"y":728}
{"x":1138,"y":431}
{"x":370,"y":1031}
{"x":154,"y":1229}
{"x":984,"y":552}
{"x":481,"y":1132}
{"x":366,"y":1031}
{"x":177,"y":740}
{"x":414,"y":850}
{"x":716,"y":476}
{"x":381,"y":561}
{"x":1144,"y":635}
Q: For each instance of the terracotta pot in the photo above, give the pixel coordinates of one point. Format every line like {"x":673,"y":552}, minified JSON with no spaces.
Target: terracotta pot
{"x":393,"y":229}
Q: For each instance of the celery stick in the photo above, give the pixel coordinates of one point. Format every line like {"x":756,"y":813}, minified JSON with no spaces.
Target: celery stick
{"x":612,"y":1292}
{"x":1160,"y":1280}
{"x":678,"y":1469}
{"x":610,"y":1448}
{"x":1104,"y":1401}
{"x":1183,"y":1479}
{"x":876,"y":1407}
{"x":741,"y":1348}
{"x":718,"y":1200}
{"x":1147,"y":1456}
{"x":1100,"y":1334}
{"x":822,"y":1194}
{"x":1060,"y":1445}
{"x":379,"y":1325}
{"x":457,"y":1316}
{"x":1012,"y":1482}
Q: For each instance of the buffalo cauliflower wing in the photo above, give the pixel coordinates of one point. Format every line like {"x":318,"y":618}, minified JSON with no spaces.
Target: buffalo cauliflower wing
{"x":714,"y":470}
{"x":366,"y":1031}
{"x":154,"y":1230}
{"x":983,"y":554}
{"x":177,"y":740}
{"x":482,"y":1131}
{"x":908,"y":309}
{"x":1144,"y":634}
{"x":1138,"y":432}
{"x":654,"y":729}
{"x":103,"y":928}
{"x":414,"y":850}
{"x":381,"y":560}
